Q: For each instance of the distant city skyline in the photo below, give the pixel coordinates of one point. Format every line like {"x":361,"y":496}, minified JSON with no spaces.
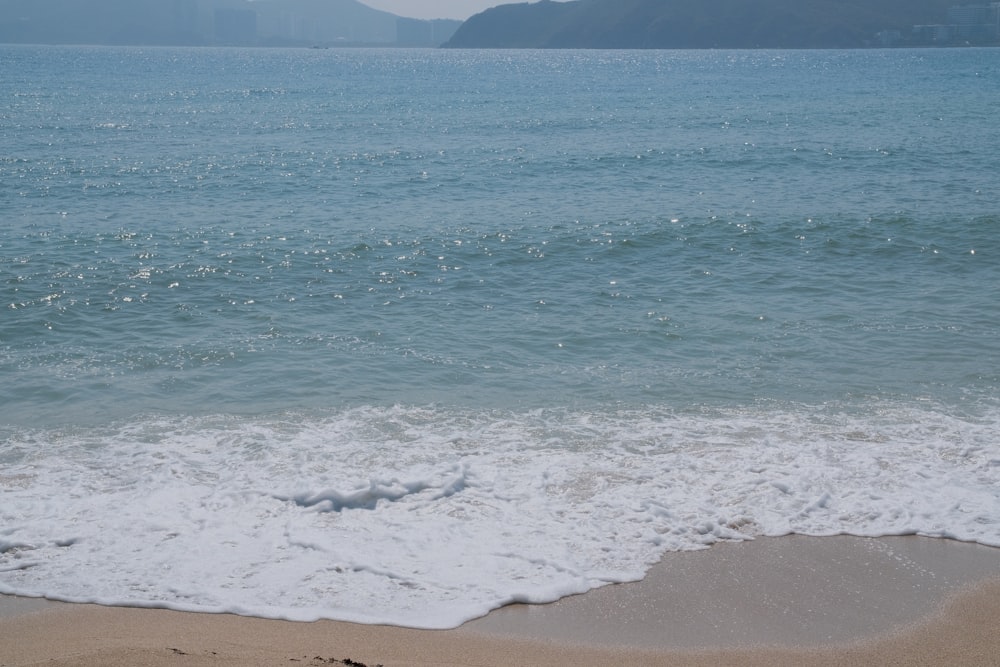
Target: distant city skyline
{"x":435,"y":9}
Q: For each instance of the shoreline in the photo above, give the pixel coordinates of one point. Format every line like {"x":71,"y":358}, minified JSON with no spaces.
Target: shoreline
{"x":777,"y":601}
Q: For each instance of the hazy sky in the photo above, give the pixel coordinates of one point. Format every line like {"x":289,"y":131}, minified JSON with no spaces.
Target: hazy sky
{"x":436,"y":9}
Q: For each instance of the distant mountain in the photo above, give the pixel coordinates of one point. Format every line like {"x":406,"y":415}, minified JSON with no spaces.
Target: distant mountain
{"x":322,"y":21}
{"x":207,"y":22}
{"x":616,"y":24}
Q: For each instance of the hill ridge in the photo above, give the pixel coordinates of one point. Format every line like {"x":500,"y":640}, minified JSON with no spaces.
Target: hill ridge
{"x":616,"y":24}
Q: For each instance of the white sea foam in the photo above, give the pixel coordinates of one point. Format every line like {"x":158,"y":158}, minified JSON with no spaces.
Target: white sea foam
{"x":429,"y":517}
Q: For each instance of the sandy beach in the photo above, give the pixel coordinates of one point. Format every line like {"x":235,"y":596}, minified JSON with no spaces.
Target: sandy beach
{"x":785,"y":601}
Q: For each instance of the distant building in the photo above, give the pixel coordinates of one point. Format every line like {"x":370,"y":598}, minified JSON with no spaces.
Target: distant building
{"x":967,"y":15}
{"x":184,"y":20}
{"x":888,"y":38}
{"x":934,"y":34}
{"x":322,"y":23}
{"x":967,"y":24}
{"x":416,"y":32}
{"x":235,"y":26}
{"x":974,"y":22}
{"x":294,"y":28}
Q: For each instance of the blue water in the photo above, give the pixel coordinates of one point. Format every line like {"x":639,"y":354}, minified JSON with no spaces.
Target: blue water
{"x":385,"y":259}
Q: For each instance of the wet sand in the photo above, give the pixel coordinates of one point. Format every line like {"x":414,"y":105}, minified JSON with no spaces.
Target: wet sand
{"x":774,"y":601}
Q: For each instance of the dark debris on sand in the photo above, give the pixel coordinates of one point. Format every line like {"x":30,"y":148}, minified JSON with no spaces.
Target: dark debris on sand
{"x":346,"y":662}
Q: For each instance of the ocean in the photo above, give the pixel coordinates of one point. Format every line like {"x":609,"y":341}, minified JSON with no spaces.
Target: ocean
{"x":402,"y":336}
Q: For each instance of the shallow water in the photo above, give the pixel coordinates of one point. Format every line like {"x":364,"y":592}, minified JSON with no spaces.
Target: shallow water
{"x":400,"y":336}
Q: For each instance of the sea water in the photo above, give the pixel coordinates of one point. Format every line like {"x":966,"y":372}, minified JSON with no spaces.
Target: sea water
{"x":402,"y":336}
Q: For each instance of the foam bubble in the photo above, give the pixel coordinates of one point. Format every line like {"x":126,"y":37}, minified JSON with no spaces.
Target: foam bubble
{"x":427,"y":517}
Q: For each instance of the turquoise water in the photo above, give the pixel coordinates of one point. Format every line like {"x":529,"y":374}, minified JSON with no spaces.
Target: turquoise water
{"x":493,"y":290}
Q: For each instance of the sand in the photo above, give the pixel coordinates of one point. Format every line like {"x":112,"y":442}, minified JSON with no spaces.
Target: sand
{"x":773,"y":601}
